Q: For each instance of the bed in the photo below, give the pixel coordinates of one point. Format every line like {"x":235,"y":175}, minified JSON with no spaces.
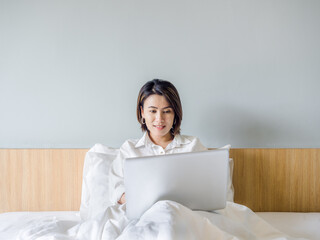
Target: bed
{"x":42,"y":197}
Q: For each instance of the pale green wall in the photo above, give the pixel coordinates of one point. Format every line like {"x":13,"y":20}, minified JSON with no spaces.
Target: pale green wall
{"x":248,"y":71}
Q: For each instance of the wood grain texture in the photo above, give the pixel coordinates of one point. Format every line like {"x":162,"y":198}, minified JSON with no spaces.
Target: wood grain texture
{"x":264,"y":179}
{"x":40,"y":179}
{"x":277,"y":180}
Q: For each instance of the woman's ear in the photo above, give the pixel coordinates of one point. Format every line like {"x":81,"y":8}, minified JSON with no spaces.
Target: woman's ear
{"x":142,"y":112}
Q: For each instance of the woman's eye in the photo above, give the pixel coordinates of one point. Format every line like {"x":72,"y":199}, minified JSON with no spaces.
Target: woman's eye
{"x":167,"y":111}
{"x":152,"y":111}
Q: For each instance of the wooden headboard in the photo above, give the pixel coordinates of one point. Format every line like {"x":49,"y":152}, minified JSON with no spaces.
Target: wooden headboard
{"x":273,"y":180}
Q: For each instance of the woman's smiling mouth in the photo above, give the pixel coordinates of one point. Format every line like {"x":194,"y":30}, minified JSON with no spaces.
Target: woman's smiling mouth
{"x":159,"y":127}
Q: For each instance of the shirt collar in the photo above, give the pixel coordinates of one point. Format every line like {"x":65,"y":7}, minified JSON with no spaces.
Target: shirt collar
{"x":176,"y":142}
{"x":142,"y":141}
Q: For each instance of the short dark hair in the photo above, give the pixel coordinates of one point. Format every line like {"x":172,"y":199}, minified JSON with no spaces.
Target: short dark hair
{"x":166,"y":89}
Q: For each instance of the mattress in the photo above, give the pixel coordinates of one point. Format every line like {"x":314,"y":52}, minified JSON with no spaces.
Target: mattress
{"x":12,"y":222}
{"x":303,"y":225}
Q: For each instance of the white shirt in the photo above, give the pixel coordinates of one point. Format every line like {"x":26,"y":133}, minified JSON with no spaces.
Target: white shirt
{"x":145,"y":147}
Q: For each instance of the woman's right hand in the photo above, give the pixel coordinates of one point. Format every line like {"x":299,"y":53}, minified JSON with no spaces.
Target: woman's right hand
{"x":122,"y":199}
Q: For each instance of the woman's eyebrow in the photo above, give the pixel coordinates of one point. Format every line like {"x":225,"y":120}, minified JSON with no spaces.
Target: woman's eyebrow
{"x":157,"y":108}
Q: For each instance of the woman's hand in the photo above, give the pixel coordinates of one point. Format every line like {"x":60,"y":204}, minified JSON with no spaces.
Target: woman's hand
{"x":122,"y":199}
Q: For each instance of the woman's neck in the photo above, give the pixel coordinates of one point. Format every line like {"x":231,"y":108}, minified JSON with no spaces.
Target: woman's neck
{"x":162,"y":141}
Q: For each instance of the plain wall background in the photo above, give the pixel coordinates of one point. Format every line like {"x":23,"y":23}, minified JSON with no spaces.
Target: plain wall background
{"x":248,"y":72}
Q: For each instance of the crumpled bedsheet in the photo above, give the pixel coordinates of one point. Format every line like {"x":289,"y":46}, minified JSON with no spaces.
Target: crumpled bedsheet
{"x":164,"y":220}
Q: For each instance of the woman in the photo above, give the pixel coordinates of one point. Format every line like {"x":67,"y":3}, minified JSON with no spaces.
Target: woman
{"x":159,"y":112}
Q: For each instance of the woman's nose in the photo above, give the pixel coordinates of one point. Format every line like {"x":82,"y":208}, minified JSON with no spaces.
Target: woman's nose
{"x":160,"y":116}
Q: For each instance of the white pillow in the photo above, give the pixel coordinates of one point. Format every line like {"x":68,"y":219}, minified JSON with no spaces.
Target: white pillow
{"x":230,"y":191}
{"x":95,"y":181}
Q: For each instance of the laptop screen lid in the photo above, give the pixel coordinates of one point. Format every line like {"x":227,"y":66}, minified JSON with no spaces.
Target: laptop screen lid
{"x":197,"y":180}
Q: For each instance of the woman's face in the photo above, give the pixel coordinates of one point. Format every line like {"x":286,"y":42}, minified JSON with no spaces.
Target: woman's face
{"x":158,"y":115}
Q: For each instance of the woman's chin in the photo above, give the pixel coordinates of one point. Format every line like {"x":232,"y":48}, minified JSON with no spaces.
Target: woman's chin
{"x":159,"y":133}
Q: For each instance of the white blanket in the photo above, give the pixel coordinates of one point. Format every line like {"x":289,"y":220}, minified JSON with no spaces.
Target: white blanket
{"x":164,"y":220}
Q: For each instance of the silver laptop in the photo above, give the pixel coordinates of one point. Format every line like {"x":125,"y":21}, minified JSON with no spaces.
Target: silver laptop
{"x":197,"y":180}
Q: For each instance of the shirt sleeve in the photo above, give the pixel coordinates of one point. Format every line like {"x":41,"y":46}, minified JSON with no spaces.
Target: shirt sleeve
{"x":197,"y":146}
{"x":116,"y":183}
